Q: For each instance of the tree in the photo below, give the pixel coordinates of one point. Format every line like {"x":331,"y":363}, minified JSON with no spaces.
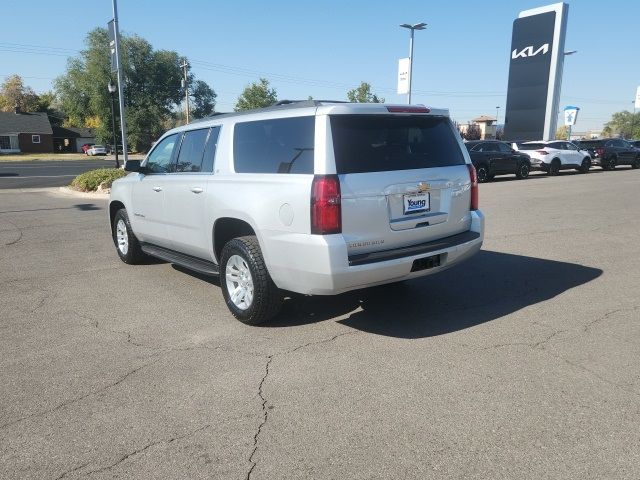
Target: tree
{"x":256,"y":95}
{"x":562,"y":133}
{"x":152,"y":88}
{"x":14,"y":93}
{"x":362,"y":94}
{"x":625,"y":124}
{"x":204,"y":99}
{"x":472,"y":132}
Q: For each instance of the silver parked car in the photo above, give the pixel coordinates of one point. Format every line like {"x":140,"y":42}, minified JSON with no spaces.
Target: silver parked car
{"x":310,"y":197}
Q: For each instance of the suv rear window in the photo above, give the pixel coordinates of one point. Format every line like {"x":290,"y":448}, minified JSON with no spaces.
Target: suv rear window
{"x":531,"y":146}
{"x":283,"y":145}
{"x":377,"y":143}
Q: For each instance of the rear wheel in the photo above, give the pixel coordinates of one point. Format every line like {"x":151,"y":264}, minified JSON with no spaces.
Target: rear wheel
{"x":636,"y":163}
{"x":554,"y":167}
{"x":523,"y":171}
{"x":247,"y":288}
{"x":483,"y":173}
{"x":609,"y":163}
{"x":586,"y":165}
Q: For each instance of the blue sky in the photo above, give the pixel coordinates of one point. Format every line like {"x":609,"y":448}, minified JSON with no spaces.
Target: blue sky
{"x":324,"y":48}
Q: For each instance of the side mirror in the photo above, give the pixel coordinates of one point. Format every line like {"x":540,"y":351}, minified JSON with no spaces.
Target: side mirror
{"x":133,"y":166}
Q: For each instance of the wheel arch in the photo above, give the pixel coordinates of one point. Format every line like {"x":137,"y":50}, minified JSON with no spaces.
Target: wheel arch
{"x":114,"y":206}
{"x":228,"y":228}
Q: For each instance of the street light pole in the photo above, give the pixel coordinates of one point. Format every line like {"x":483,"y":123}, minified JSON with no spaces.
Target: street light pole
{"x":112,"y":89}
{"x":564,"y":54}
{"x":497,"y":110}
{"x":417,"y":26}
{"x":123,"y":123}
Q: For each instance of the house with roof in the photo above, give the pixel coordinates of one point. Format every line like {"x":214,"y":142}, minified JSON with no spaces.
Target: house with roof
{"x":25,"y":132}
{"x":71,"y":139}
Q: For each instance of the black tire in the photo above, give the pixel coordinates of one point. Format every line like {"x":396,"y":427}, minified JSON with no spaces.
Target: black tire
{"x":483,"y":174}
{"x":132,"y":253}
{"x":267,"y":298}
{"x":554,"y":167}
{"x":523,"y":171}
{"x":586,"y":165}
{"x":609,"y":163}
{"x":636,"y":163}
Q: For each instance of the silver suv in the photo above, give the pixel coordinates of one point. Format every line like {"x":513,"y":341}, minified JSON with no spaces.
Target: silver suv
{"x":311,"y":197}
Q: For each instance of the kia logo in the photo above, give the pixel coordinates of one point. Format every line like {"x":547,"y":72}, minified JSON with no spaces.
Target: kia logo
{"x":529,"y":51}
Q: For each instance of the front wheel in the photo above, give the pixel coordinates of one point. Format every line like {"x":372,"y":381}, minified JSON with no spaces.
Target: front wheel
{"x":523,"y":171}
{"x":586,"y":165}
{"x":636,"y":163}
{"x":127,"y":244}
{"x":247,"y":287}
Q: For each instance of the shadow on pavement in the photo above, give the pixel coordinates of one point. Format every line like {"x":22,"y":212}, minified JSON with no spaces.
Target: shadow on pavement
{"x":488,"y":286}
{"x":86,"y":207}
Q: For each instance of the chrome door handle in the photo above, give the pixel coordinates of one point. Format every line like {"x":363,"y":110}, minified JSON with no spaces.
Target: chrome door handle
{"x":157,"y":189}
{"x":197,"y":190}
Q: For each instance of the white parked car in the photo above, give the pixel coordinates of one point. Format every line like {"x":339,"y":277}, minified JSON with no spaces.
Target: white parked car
{"x":555,"y":155}
{"x":310,"y":197}
{"x":97,"y":150}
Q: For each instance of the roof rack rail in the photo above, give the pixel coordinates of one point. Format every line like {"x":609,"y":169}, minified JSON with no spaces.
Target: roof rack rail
{"x":310,"y":102}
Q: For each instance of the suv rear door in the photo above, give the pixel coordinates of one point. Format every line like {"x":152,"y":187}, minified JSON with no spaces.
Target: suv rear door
{"x":403,"y":179}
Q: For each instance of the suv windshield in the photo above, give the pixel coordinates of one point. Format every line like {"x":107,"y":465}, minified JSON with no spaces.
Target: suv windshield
{"x":380,"y":143}
{"x":531,"y":146}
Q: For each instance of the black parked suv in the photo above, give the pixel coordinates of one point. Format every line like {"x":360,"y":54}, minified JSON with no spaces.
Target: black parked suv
{"x":492,"y":157}
{"x":611,"y":152}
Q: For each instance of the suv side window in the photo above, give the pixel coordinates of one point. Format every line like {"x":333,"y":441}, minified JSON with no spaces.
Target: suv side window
{"x":570,"y":146}
{"x":283,"y":145}
{"x":504,"y":148}
{"x":210,"y":150}
{"x":556,"y":145}
{"x":478,"y":147}
{"x":160,"y":158}
{"x":491,"y":147}
{"x":191,"y":151}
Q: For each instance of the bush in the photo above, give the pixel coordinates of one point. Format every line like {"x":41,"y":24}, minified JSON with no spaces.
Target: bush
{"x":91,"y":180}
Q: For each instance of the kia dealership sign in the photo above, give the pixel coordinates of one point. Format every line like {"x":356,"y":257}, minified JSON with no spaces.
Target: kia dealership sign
{"x":535,"y":73}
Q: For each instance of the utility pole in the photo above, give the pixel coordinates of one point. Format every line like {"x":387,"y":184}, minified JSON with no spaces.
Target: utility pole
{"x":185,"y":85}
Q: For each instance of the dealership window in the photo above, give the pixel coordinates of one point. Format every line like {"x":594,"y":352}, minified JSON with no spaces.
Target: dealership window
{"x":5,"y":143}
{"x":35,"y":138}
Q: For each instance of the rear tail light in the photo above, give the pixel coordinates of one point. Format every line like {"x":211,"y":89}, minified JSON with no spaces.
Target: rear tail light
{"x":474,"y":187}
{"x":326,"y":211}
{"x":542,"y":152}
{"x":600,"y":151}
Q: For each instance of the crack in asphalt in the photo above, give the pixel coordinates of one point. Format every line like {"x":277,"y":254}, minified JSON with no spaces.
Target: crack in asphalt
{"x":66,"y":403}
{"x":69,"y":472}
{"x":13,"y":242}
{"x":263,"y":398}
{"x":624,"y":388}
{"x":135,"y":452}
{"x":265,"y":417}
{"x":602,"y":318}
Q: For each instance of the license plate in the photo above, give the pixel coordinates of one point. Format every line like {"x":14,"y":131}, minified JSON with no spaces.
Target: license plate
{"x":416,"y":203}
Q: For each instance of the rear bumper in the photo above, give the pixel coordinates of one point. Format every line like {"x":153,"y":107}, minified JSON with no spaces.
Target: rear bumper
{"x":320,"y":265}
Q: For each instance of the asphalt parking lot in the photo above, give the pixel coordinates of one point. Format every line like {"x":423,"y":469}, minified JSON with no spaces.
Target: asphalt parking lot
{"x":521,"y":363}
